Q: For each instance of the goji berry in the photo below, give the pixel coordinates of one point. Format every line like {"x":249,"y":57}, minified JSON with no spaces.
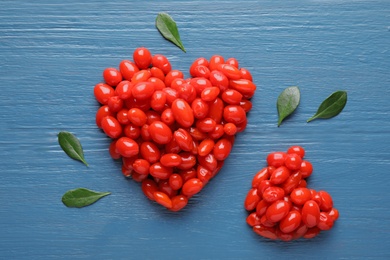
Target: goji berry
{"x":171,"y":75}
{"x":158,"y":83}
{"x":279,"y":175}
{"x":142,"y":57}
{"x":157,"y":76}
{"x":176,"y":181}
{"x":112,"y":76}
{"x":111,"y":127}
{"x":222,"y":149}
{"x":136,"y":116}
{"x":192,"y":186}
{"x":113,"y":151}
{"x":272,"y":194}
{"x":218,"y":79}
{"x":102,"y":112}
{"x":232,"y":97}
{"x":182,"y":113}
{"x":251,"y":200}
{"x":150,"y":152}
{"x":310,"y":213}
{"x":215,"y":60}
{"x":234,"y":114}
{"x":160,"y":132}
{"x":128,"y":69}
{"x":263,"y":174}
{"x":300,"y":195}
{"x":231,"y":72}
{"x":245,"y":74}
{"x":276,"y":159}
{"x":140,"y":76}
{"x":291,"y":222}
{"x":161,"y":62}
{"x":157,"y":170}
{"x":170,"y":160}
{"x":103,"y":92}
{"x":253,"y":219}
{"x":209,"y":94}
{"x":277,"y":211}
{"x":233,"y":62}
{"x":141,"y":166}
{"x":183,"y":139}
{"x":293,"y":161}
{"x":178,"y":202}
{"x":205,"y":147}
{"x":127,"y":147}
{"x":163,"y":199}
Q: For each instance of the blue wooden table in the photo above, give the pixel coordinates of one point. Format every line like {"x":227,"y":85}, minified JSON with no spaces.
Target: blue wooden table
{"x":52,"y":53}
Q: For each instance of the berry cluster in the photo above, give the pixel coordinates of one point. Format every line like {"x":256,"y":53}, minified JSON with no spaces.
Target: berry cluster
{"x":173,"y":134}
{"x":279,"y":203}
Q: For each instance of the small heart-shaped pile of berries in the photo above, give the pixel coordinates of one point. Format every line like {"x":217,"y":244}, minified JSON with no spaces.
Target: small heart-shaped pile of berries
{"x":173,"y":134}
{"x":279,"y":203}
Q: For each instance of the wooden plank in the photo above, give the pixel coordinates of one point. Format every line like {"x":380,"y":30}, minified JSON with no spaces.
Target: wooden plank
{"x":53,"y":53}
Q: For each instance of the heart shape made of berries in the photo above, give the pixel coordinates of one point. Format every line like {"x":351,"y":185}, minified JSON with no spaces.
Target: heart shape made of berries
{"x":280,"y":205}
{"x":173,"y":134}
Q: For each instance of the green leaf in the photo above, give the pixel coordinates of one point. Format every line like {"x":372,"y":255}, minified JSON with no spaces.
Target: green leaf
{"x":331,"y":106}
{"x":82,"y":197}
{"x":168,"y":29}
{"x":71,"y":146}
{"x":287,"y":102}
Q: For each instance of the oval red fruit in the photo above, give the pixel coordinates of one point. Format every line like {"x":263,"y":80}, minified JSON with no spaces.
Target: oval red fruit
{"x":182,"y":112}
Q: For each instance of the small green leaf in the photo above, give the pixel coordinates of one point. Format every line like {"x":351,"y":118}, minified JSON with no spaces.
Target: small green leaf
{"x":71,"y":146}
{"x":287,"y":102}
{"x":168,"y":29}
{"x":82,"y":197}
{"x":331,"y":106}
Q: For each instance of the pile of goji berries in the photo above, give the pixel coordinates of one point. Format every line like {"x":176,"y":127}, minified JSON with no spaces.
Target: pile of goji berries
{"x":279,"y":203}
{"x":173,"y":134}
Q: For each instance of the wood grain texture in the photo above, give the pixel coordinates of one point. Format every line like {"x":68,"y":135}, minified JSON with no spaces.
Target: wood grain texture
{"x":53,"y":53}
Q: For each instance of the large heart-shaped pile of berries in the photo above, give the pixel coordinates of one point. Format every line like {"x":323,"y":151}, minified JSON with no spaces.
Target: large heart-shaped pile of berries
{"x":173,"y":134}
{"x":279,"y":203}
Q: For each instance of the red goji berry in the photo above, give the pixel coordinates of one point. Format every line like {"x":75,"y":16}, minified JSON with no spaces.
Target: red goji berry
{"x":192,"y":186}
{"x":142,"y":57}
{"x":163,"y":199}
{"x":112,"y":76}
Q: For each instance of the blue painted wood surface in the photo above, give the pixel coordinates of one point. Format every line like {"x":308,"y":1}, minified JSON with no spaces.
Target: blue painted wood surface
{"x":52,"y":53}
